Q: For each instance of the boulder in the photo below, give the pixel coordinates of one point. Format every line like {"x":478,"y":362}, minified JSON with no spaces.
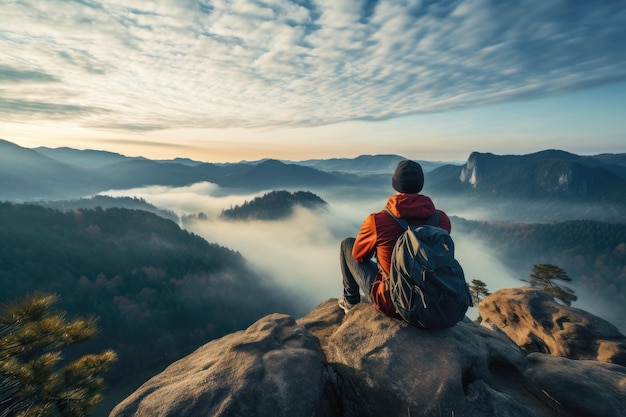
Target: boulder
{"x":584,"y":388}
{"x":386,"y":367}
{"x":537,"y":323}
{"x":274,"y":368}
{"x":366,"y":364}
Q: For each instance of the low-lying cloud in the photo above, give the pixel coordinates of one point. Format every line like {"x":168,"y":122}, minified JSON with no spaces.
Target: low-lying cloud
{"x":301,"y":253}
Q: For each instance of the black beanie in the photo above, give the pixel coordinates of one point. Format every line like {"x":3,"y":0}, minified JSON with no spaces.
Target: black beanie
{"x":408,"y":177}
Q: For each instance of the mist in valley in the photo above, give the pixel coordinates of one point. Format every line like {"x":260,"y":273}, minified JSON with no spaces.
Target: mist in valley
{"x":301,"y":253}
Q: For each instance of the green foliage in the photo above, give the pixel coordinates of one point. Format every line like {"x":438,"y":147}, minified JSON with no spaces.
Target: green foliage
{"x":274,"y":205}
{"x":594,"y":252}
{"x":543,"y":276}
{"x":106,"y":202}
{"x":479,"y":291}
{"x":159,"y":291}
{"x":34,"y":378}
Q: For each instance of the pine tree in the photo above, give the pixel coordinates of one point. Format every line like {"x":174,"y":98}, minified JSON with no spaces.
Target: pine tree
{"x":479,"y":291}
{"x":543,"y":276}
{"x":34,"y":378}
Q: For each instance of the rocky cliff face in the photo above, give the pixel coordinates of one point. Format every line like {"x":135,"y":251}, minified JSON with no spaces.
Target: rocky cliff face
{"x":547,"y":174}
{"x":366,"y":364}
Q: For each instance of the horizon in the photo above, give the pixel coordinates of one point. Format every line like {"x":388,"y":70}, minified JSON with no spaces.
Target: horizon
{"x":261,"y":159}
{"x":293,"y":80}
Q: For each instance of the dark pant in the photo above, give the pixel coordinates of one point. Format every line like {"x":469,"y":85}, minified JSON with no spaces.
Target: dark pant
{"x":356,"y":275}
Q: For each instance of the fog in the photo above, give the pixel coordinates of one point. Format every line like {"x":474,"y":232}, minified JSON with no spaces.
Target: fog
{"x":301,"y":253}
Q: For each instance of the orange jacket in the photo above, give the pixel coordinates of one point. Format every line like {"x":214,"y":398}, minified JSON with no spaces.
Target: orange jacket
{"x":379,"y":233}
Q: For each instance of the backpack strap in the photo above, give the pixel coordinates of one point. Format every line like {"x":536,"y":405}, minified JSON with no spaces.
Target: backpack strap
{"x":431,"y":221}
{"x":401,"y":222}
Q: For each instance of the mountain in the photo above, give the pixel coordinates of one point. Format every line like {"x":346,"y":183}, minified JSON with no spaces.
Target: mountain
{"x":27,"y":174}
{"x":115,"y":170}
{"x":84,"y":159}
{"x":275,"y":174}
{"x":141,"y":172}
{"x":107,"y":202}
{"x":592,"y":253}
{"x":158,"y":291}
{"x":62,"y":173}
{"x":549,"y":174}
{"x":611,"y":158}
{"x":529,"y":357}
{"x":274,"y":205}
{"x":364,"y":164}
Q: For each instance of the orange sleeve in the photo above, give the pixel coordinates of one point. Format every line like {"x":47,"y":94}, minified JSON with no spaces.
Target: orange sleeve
{"x":365,"y":243}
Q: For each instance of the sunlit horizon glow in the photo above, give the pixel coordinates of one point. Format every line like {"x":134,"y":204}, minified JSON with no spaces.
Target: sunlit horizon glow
{"x":225,"y":81}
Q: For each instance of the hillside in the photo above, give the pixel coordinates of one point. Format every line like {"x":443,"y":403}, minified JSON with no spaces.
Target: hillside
{"x":364,"y":164}
{"x":274,"y":174}
{"x":25,"y":174}
{"x":148,"y":281}
{"x":592,"y":253}
{"x":106,"y":202}
{"x":546,"y":176}
{"x":275,"y":205}
{"x":541,"y":176}
{"x":65,"y":173}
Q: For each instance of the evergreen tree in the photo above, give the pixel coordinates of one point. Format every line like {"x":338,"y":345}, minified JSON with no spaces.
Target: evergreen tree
{"x":479,"y":291}
{"x":34,"y":378}
{"x":543,"y":276}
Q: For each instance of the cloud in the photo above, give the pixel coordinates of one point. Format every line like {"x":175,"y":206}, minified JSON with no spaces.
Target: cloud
{"x":15,"y":109}
{"x":215,"y":64}
{"x":301,"y":253}
{"x":15,"y":75}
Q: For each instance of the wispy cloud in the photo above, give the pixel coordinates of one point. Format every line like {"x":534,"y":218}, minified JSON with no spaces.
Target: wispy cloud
{"x":242,"y":63}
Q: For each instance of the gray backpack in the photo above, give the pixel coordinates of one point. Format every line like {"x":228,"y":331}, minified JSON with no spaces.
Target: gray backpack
{"x":426,"y":283}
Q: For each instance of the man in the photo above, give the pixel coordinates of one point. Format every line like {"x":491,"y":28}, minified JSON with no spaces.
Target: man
{"x":377,"y":237}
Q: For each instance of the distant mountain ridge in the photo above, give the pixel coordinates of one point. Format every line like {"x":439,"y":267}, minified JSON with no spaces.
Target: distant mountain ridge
{"x":550,"y":174}
{"x":26,"y":172}
{"x":368,"y":164}
{"x":65,"y":173}
{"x":85,"y":159}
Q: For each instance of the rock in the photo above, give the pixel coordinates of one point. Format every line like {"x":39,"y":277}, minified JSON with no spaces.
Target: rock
{"x":274,"y":368}
{"x":585,"y":388}
{"x":366,"y":364}
{"x":389,"y":368}
{"x":537,"y":323}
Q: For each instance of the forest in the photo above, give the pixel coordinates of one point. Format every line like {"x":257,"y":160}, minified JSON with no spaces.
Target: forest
{"x":592,"y":253}
{"x":274,"y":205}
{"x":157,"y":291}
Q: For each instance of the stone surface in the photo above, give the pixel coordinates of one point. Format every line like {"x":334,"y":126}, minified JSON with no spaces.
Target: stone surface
{"x":537,"y":323}
{"x":586,"y":388}
{"x":366,"y":364}
{"x":274,"y":368}
{"x":387,"y":367}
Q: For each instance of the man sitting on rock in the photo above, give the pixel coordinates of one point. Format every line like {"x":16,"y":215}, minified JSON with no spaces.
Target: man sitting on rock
{"x":377,"y":237}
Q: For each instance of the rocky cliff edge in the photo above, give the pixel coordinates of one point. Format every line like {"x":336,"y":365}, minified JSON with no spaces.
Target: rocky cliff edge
{"x":366,"y":364}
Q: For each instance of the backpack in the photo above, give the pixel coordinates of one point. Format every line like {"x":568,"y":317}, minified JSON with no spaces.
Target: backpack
{"x":426,"y":283}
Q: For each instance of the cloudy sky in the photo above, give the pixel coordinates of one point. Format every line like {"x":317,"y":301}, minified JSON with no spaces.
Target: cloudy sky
{"x":220,"y":80}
